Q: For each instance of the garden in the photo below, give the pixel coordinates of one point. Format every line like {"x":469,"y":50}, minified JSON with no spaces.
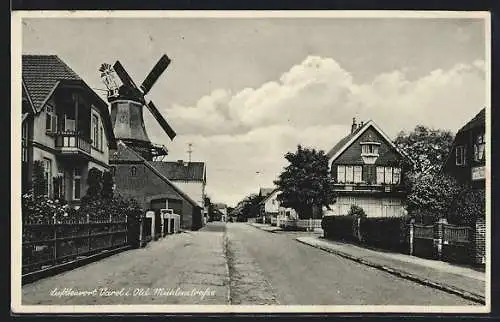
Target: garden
{"x":53,"y":233}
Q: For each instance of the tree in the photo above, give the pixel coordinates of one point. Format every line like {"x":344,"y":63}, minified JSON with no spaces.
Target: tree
{"x":306,"y":184}
{"x":427,"y":147}
{"x":94,"y":183}
{"x":431,"y":197}
{"x":39,"y":181}
{"x":107,"y":185}
{"x":250,"y":207}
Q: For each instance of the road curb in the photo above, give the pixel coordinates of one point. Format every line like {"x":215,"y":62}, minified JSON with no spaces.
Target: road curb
{"x":402,"y":274}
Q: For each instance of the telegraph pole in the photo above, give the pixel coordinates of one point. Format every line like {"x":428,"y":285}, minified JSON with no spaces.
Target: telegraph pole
{"x":190,"y":151}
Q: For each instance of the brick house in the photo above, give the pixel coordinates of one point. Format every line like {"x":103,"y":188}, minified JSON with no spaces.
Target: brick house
{"x":368,"y":170}
{"x":66,"y":125}
{"x":190,"y":177}
{"x":138,"y":178}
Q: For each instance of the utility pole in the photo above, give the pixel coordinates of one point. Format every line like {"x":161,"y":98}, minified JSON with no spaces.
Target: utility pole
{"x":190,"y":151}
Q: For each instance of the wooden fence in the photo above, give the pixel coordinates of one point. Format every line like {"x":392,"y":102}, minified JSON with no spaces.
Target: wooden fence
{"x":57,"y":242}
{"x":444,"y":242}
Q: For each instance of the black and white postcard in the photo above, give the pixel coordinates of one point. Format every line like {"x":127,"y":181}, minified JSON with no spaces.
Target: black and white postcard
{"x":250,"y":161}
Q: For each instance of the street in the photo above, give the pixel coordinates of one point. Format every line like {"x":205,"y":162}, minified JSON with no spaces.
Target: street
{"x":232,"y":263}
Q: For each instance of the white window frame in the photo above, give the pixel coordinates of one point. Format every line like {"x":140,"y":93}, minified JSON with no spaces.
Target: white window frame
{"x":460,"y":155}
{"x":388,"y":175}
{"x":94,"y":123}
{"x":341,"y":173}
{"x":380,"y":175}
{"x":47,"y":171}
{"x":348,"y":174}
{"x":52,"y":117}
{"x":77,"y":175}
{"x":479,"y":148}
{"x":370,"y":148}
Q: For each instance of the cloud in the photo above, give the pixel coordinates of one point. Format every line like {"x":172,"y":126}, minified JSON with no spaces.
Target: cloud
{"x":243,"y":136}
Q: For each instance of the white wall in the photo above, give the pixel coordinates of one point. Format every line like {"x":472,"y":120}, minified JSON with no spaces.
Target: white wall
{"x":373,"y":207}
{"x":272,"y":205}
{"x":192,"y":189}
{"x":103,"y":155}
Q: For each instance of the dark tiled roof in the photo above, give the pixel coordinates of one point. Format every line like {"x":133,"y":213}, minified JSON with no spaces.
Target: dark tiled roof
{"x":336,"y":148}
{"x":478,"y":121}
{"x":41,"y":73}
{"x":124,"y":149}
{"x":192,"y":171}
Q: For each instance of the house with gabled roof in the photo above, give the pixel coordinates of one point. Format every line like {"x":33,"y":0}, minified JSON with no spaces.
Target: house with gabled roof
{"x":368,"y":169}
{"x":190,"y":177}
{"x":135,"y":177}
{"x":65,"y":125}
{"x":466,"y":161}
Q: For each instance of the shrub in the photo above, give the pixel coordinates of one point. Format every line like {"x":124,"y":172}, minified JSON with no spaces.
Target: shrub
{"x":40,"y":209}
{"x":389,"y":233}
{"x":469,"y":207}
{"x":356,"y":211}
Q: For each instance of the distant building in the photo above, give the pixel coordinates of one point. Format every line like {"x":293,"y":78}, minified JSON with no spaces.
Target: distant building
{"x":368,"y":170}
{"x":190,"y":177}
{"x":221,"y":209}
{"x":467,"y":159}
{"x":66,"y":125}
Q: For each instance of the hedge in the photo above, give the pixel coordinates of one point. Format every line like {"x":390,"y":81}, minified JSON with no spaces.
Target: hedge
{"x":390,"y":233}
{"x":387,"y":233}
{"x":339,"y":227}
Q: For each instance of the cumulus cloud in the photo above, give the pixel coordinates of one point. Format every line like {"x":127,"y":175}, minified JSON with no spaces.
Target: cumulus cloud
{"x":243,"y":136}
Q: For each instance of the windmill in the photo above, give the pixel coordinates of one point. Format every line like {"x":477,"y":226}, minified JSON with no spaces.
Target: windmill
{"x":127,"y":102}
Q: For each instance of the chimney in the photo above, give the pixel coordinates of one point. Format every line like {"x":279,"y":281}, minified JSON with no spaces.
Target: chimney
{"x":354,"y":125}
{"x":361,"y":124}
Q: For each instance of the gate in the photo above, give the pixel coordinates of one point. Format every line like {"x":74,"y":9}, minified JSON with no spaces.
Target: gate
{"x":423,"y":241}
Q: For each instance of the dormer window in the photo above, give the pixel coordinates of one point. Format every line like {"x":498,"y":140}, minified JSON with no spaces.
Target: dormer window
{"x":369,"y":148}
{"x":369,"y":151}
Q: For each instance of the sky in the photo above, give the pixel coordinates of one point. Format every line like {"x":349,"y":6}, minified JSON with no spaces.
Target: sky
{"x":244,"y":91}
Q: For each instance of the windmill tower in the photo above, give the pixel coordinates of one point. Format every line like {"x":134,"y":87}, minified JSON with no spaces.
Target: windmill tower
{"x":127,"y":102}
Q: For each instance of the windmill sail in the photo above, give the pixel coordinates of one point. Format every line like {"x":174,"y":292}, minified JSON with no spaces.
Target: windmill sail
{"x":163,"y":123}
{"x":155,"y":73}
{"x":124,"y":76}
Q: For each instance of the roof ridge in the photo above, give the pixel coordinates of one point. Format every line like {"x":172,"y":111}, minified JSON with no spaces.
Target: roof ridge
{"x":159,"y":174}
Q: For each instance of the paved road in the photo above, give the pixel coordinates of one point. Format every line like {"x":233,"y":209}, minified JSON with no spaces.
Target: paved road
{"x":231,"y":264}
{"x":299,"y":274}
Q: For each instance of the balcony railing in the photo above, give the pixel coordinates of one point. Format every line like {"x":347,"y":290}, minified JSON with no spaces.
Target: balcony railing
{"x":71,"y":141}
{"x":363,"y":186}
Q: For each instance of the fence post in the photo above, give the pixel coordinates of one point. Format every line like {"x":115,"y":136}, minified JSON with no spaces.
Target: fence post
{"x":141,"y":230}
{"x":439,"y":237}
{"x":412,"y":231}
{"x":359,"y":228}
{"x":90,"y":230}
{"x":54,"y":221}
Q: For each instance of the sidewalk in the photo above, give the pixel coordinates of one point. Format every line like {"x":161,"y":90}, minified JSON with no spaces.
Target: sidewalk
{"x":462,"y":281}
